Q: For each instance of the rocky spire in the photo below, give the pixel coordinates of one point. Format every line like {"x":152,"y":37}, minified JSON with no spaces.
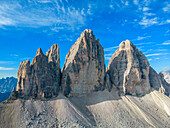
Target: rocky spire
{"x":39,"y":52}
{"x":128,"y":70}
{"x":84,"y":66}
{"x":42,"y":77}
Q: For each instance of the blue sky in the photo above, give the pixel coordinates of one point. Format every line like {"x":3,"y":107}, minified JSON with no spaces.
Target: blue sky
{"x":26,"y":25}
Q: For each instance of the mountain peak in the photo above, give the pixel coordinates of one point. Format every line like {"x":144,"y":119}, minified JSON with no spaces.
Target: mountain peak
{"x":87,"y":33}
{"x":125,"y":45}
{"x":39,"y":52}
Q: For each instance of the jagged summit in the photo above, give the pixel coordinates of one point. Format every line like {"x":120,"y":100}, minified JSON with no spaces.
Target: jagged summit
{"x":128,"y":72}
{"x":84,"y":66}
{"x":42,"y":77}
{"x":87,"y":33}
{"x":89,"y":95}
{"x":39,"y":52}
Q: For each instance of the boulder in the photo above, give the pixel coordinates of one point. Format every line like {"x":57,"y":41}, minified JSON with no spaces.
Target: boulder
{"x":84,"y":66}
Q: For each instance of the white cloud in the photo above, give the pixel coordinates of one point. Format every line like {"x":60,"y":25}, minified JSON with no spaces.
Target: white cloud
{"x":6,"y":62}
{"x":141,"y":38}
{"x":165,"y":22}
{"x":44,"y":1}
{"x":126,"y":3}
{"x":167,"y":33}
{"x":29,"y":15}
{"x":145,"y":43}
{"x":111,"y":6}
{"x":149,"y":14}
{"x":135,"y":2}
{"x":108,"y":56}
{"x":146,"y":9}
{"x":111,"y":48}
{"x":148,"y":22}
{"x":15,"y":55}
{"x":157,"y":54}
{"x":3,"y":68}
{"x":167,"y":42}
{"x":166,"y":8}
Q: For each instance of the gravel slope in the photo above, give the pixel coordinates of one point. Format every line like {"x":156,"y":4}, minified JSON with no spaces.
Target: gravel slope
{"x":98,"y":109}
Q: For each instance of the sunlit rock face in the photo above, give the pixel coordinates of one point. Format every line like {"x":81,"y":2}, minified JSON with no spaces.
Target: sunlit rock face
{"x":42,"y":77}
{"x":128,"y":70}
{"x":84,"y":67}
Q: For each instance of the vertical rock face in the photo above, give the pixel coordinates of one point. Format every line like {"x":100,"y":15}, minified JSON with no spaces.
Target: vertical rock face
{"x":84,"y":67}
{"x":42,"y":77}
{"x":158,"y":82}
{"x":128,"y":70}
{"x":154,"y":79}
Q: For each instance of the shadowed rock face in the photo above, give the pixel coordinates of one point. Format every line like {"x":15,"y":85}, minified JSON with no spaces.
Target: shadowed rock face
{"x":158,"y":82}
{"x":128,"y":70}
{"x":84,"y":67}
{"x":42,"y":77}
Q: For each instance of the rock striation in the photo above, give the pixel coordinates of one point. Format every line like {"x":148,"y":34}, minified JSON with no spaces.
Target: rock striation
{"x":84,"y":66}
{"x":41,"y":79}
{"x":128,"y":70}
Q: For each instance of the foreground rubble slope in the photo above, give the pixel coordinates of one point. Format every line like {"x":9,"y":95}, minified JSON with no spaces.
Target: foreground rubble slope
{"x":97,"y":109}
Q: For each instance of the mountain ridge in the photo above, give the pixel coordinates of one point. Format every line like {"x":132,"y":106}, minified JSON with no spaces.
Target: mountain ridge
{"x":128,"y":93}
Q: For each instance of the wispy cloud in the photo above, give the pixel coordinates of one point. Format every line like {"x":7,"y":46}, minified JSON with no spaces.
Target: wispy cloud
{"x":167,"y":33}
{"x":149,"y":14}
{"x":6,"y":62}
{"x":142,"y":37}
{"x":164,"y":22}
{"x":167,"y":42}
{"x":135,"y":2}
{"x":145,"y":43}
{"x":4,"y":68}
{"x":148,"y":22}
{"x":111,"y":48}
{"x":157,"y":54}
{"x":146,"y":9}
{"x":108,"y":56}
{"x":45,"y":13}
{"x":15,"y":55}
{"x":167,"y":7}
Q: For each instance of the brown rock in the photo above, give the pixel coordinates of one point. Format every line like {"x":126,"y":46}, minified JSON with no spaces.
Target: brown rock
{"x":84,"y":67}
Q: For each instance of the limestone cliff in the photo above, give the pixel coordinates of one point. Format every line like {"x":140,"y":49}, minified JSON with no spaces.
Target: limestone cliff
{"x":128,"y":70}
{"x":42,"y":77}
{"x":84,"y":67}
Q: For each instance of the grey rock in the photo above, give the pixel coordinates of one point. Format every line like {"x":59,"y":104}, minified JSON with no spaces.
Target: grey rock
{"x":128,"y":70}
{"x":84,"y":66}
{"x":42,"y":77}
